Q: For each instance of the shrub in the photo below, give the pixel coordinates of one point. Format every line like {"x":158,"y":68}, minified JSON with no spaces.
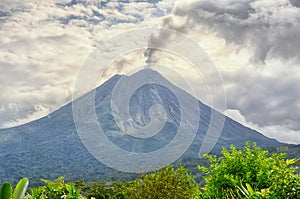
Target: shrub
{"x":269,"y":177}
{"x":285,"y":184}
{"x":166,"y":183}
{"x":55,"y":190}
{"x":100,"y":190}
{"x":19,"y":192}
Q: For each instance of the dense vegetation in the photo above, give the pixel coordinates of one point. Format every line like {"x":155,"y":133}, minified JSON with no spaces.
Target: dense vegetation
{"x":6,"y":191}
{"x":248,"y":173}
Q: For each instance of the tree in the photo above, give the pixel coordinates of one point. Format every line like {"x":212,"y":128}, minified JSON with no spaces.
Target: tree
{"x":166,"y":183}
{"x":272,"y":176}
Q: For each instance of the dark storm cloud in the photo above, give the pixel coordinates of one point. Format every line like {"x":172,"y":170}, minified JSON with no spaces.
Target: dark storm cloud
{"x":295,"y":3}
{"x":271,"y":28}
{"x":267,"y":96}
{"x":266,"y":101}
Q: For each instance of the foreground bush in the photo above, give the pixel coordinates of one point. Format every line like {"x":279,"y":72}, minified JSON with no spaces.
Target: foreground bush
{"x":54,"y":190}
{"x":166,"y":183}
{"x":250,"y":173}
{"x":99,"y":190}
{"x":6,"y":191}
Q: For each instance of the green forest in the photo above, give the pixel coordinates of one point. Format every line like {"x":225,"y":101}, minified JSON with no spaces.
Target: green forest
{"x":252,"y":173}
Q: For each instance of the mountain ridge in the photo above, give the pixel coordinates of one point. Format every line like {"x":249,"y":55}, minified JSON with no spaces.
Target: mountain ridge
{"x":52,"y":143}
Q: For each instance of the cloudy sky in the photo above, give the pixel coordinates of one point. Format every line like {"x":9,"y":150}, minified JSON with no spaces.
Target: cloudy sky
{"x":254,"y":45}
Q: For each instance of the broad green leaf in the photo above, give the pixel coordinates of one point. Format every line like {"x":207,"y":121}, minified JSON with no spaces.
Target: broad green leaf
{"x":290,"y":161}
{"x":249,"y":188}
{"x":20,"y":189}
{"x":6,"y":191}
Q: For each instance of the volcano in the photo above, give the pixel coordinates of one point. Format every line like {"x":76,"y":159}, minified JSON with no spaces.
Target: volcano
{"x":51,"y":146}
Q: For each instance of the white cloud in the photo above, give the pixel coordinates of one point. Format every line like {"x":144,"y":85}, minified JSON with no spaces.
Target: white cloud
{"x":278,"y":132}
{"x":269,"y":28}
{"x":254,"y":45}
{"x":44,"y":43}
{"x":38,"y":111}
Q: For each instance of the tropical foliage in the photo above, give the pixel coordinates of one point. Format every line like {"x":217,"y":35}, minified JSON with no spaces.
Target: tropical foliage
{"x":250,"y":173}
{"x":165,"y":183}
{"x":6,"y":191}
